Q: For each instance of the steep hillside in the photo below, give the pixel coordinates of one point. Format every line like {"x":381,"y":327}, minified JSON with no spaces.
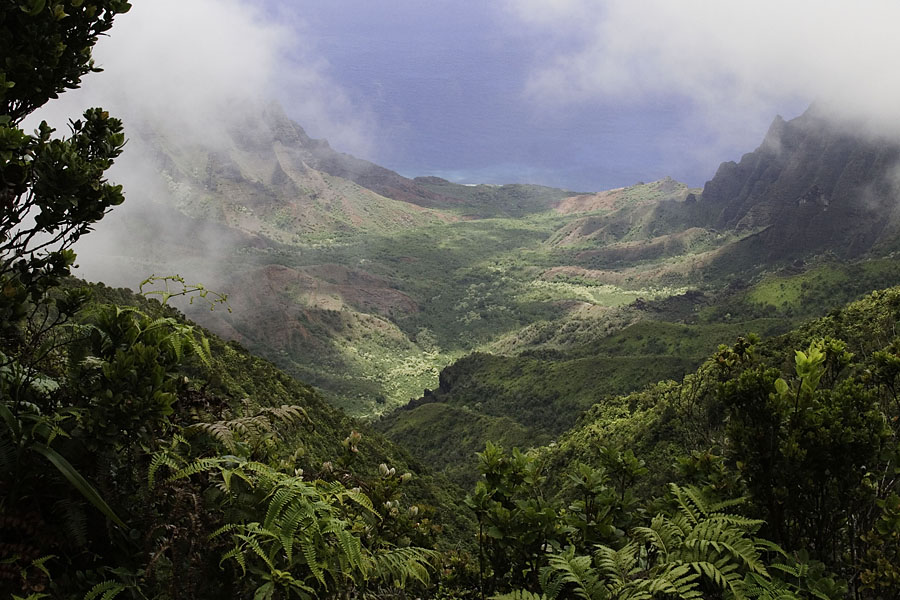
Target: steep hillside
{"x":813,"y":185}
{"x":234,"y":376}
{"x":266,"y":176}
{"x":319,"y":155}
{"x":366,"y":284}
{"x":765,"y":245}
{"x":668,"y":418}
{"x":235,"y":382}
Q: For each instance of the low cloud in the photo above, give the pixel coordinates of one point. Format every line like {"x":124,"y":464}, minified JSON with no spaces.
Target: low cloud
{"x":196,"y":66}
{"x":185,"y":72}
{"x":735,"y":63}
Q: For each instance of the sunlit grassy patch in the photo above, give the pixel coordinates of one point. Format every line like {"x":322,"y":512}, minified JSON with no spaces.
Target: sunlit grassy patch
{"x":597,"y":294}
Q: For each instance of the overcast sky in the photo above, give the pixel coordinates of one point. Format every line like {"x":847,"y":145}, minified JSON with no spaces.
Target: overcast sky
{"x":582,"y":94}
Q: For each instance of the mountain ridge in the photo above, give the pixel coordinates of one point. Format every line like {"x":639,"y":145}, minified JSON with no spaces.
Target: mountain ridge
{"x":812,"y":182}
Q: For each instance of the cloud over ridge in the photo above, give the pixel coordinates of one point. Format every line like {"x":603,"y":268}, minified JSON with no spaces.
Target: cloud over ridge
{"x":727,"y":58}
{"x":195,"y":65}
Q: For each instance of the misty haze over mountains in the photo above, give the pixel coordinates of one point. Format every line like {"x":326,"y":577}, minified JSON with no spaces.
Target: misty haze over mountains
{"x":317,"y":247}
{"x":591,"y":95}
{"x":229,"y":188}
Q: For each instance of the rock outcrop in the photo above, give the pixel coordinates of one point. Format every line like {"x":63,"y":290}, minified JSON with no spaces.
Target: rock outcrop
{"x":813,"y":184}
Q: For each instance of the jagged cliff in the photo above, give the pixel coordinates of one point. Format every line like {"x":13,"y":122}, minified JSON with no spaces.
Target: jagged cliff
{"x":813,"y":184}
{"x":319,"y":155}
{"x":263,"y":175}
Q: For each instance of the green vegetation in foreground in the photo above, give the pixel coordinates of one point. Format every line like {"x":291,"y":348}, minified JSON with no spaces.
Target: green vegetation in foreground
{"x":804,"y":425}
{"x":133,"y":465}
{"x":138,"y":458}
{"x":543,"y":390}
{"x":526,"y":401}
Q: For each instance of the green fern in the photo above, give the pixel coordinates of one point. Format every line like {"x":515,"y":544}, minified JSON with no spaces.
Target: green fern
{"x":250,"y":431}
{"x":679,"y":581}
{"x":200,"y":465}
{"x":402,"y":564}
{"x":105,"y":590}
{"x":699,"y":548}
{"x":722,"y":573}
{"x":520,"y":595}
{"x":713,"y":536}
{"x":74,"y":522}
{"x":159,"y":460}
{"x":574,"y":575}
{"x":219,"y":431}
{"x":618,"y":566}
{"x":662,"y":536}
{"x":305,"y":538}
{"x":756,"y":586}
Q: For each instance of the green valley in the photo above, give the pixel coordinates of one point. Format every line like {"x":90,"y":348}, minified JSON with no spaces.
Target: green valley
{"x":388,"y":388}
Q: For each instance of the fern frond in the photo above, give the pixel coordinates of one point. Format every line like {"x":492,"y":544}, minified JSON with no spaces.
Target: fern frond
{"x":312,"y":561}
{"x":160,"y":459}
{"x":552,"y":586}
{"x":286,"y":413}
{"x":200,"y":348}
{"x":676,"y":580}
{"x":105,"y":590}
{"x":159,"y":323}
{"x":722,"y":574}
{"x":252,"y":543}
{"x":75,"y":521}
{"x":198,"y":466}
{"x":281,"y":497}
{"x":711,"y":537}
{"x":39,"y":564}
{"x":796,"y":571}
{"x":756,"y":586}
{"x":360,"y":499}
{"x":219,"y":431}
{"x":351,"y":547}
{"x":690,"y":502}
{"x":617,"y":565}
{"x":300,"y":516}
{"x":251,"y":429}
{"x":573,"y":573}
{"x":521,"y":595}
{"x":226,"y":528}
{"x":744,"y":523}
{"x":237,"y":554}
{"x":662,"y":535}
{"x":718,"y":507}
{"x":267,"y":473}
{"x":402,"y":564}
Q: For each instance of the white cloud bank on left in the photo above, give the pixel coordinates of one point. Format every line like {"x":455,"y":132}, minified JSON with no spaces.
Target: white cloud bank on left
{"x":195,"y":64}
{"x":191,"y":69}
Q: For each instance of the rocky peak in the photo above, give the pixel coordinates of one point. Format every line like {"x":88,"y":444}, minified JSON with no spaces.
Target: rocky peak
{"x":813,"y":182}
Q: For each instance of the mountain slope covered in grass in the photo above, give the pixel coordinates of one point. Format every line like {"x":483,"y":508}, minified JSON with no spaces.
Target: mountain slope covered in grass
{"x":753,"y":253}
{"x":367,"y":284}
